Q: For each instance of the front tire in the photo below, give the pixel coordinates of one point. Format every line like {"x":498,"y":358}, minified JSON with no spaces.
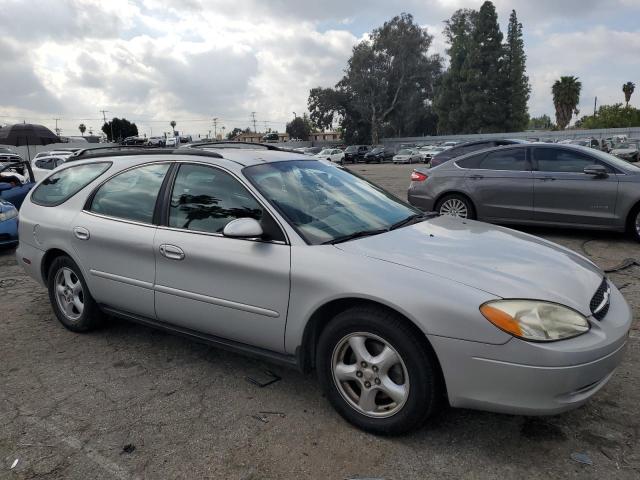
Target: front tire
{"x":456,"y":205}
{"x":634,"y":223}
{"x":375,"y":371}
{"x":70,"y":298}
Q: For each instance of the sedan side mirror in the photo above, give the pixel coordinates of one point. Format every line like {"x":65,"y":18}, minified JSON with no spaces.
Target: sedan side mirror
{"x":596,"y":170}
{"x":243,"y":228}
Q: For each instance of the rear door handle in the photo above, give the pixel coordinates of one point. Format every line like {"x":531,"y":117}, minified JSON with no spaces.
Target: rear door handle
{"x":81,"y":233}
{"x":476,"y":177}
{"x":171,"y":252}
{"x":544,"y":179}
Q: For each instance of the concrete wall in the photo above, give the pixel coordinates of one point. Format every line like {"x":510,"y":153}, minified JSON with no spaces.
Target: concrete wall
{"x":631,"y":132}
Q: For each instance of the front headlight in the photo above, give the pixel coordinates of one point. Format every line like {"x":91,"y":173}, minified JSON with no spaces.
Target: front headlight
{"x":535,"y":320}
{"x":8,"y":214}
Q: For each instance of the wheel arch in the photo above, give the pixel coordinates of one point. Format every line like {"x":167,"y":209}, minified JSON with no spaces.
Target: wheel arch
{"x":320,"y":318}
{"x":630,"y":215}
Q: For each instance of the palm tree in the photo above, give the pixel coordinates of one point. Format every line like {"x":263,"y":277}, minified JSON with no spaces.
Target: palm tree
{"x":566,"y":96}
{"x":82,"y":129}
{"x":628,"y":89}
{"x":173,"y":127}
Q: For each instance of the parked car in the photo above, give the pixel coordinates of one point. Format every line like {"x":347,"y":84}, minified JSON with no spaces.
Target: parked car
{"x":429,"y":152}
{"x":407,"y":155}
{"x":271,"y":137}
{"x":172,"y":142}
{"x":627,"y":151}
{"x":55,"y":153}
{"x":536,"y":184}
{"x":134,"y":141}
{"x":42,"y":166}
{"x":156,"y":141}
{"x":10,"y":157}
{"x":8,"y":224}
{"x":312,"y":150}
{"x":6,"y":150}
{"x":464,"y":148}
{"x":302,"y":262}
{"x":355,"y":153}
{"x":332,"y":154}
{"x":16,"y":180}
{"x":378,"y":154}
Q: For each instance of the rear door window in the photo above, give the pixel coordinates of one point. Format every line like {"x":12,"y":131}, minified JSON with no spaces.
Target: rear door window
{"x":63,"y":185}
{"x":512,"y":159}
{"x":131,"y":195}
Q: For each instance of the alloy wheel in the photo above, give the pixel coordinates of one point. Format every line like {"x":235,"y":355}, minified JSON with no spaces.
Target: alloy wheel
{"x":454,"y":207}
{"x":69,"y":293}
{"x":370,"y":375}
{"x":638,"y":224}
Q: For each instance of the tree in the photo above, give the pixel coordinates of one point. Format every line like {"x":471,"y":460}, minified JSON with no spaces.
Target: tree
{"x":82,"y":129}
{"x":628,"y":89}
{"x":517,"y":89}
{"x":448,"y":101}
{"x":173,"y":127}
{"x":566,"y":96}
{"x":234,"y":133}
{"x":389,"y":82}
{"x":611,"y":116}
{"x":299,"y":127}
{"x":483,"y":95}
{"x":121,"y":128}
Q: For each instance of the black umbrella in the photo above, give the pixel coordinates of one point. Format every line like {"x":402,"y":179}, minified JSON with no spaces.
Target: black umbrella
{"x":27,"y":134}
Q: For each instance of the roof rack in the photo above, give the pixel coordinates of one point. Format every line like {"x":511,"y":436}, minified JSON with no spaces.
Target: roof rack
{"x":234,"y":144}
{"x":124,"y":150}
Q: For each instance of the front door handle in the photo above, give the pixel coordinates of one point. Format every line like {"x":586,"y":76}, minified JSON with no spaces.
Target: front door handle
{"x":476,"y":177}
{"x":171,"y":252}
{"x":544,"y":179}
{"x":81,"y":233}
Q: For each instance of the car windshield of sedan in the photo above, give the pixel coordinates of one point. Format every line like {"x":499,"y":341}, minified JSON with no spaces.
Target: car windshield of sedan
{"x":405,"y":152}
{"x":351,"y":149}
{"x":327,"y":204}
{"x":378,"y":150}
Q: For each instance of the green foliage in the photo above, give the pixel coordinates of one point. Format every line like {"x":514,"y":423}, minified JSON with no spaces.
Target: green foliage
{"x":566,"y":96}
{"x":234,"y":133}
{"x":628,"y":89}
{"x":517,"y":88}
{"x":122,"y":128}
{"x":388,"y":84}
{"x":82,"y":127}
{"x":542,"y":122}
{"x":486,"y":88}
{"x":299,"y":127}
{"x":611,"y":116}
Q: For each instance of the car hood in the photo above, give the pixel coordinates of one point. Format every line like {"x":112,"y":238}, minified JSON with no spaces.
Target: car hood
{"x":497,"y":260}
{"x":623,"y":151}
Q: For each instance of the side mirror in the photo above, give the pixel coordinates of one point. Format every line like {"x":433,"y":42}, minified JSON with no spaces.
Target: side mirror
{"x":596,"y":170}
{"x":243,"y":228}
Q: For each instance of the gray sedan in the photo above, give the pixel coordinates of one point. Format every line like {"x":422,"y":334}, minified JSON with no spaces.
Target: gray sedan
{"x":536,"y":184}
{"x":299,"y":261}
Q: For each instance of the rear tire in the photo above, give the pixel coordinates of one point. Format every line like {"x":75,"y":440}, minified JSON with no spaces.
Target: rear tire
{"x":375,"y":371}
{"x":70,"y":298}
{"x":634,"y":223}
{"x":456,"y":205}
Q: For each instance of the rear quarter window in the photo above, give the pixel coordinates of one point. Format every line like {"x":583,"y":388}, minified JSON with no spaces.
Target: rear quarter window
{"x":61,"y":186}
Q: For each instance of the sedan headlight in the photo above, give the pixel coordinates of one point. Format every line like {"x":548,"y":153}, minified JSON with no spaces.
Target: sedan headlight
{"x":535,"y":320}
{"x":8,"y":214}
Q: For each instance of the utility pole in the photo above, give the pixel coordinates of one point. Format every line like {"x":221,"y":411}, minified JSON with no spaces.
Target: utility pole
{"x":595,"y":102}
{"x":104,"y":116}
{"x":57,"y":129}
{"x":253,"y":115}
{"x":215,"y":128}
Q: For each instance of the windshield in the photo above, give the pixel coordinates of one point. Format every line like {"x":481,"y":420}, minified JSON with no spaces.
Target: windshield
{"x":326,"y":152}
{"x":625,"y":145}
{"x":351,"y":149}
{"x":377,"y":150}
{"x":323,"y":202}
{"x":404,"y":152}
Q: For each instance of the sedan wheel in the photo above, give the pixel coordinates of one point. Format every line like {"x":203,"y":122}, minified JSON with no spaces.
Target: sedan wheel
{"x":636,"y":225}
{"x":370,"y":375}
{"x":69,"y":294}
{"x":454,"y":207}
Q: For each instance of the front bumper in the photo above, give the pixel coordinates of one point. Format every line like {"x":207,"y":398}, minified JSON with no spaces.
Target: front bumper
{"x":528,"y":378}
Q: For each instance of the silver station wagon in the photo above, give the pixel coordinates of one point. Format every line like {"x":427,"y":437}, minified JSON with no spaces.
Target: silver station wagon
{"x":272,"y":253}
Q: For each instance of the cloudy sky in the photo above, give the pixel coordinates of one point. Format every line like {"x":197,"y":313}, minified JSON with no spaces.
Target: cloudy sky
{"x":152,"y":61}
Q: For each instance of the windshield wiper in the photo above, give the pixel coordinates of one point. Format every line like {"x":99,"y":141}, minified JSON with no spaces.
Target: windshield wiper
{"x":352,"y":236}
{"x":410,"y":220}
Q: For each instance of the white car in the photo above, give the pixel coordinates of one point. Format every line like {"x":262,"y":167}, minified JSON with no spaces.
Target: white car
{"x":407,"y":155}
{"x":172,"y":142}
{"x":42,"y":166}
{"x":332,"y":154}
{"x":54,"y":153}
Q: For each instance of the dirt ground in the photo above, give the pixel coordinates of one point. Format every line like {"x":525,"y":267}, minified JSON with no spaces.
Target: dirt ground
{"x":130,"y":402}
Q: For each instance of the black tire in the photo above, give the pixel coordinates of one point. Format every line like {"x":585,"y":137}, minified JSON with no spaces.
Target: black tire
{"x":91,"y":316}
{"x":425,"y":385}
{"x":634,"y":220}
{"x":471,"y":211}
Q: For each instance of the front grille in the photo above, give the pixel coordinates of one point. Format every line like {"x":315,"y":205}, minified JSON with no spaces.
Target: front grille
{"x":600,"y":301}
